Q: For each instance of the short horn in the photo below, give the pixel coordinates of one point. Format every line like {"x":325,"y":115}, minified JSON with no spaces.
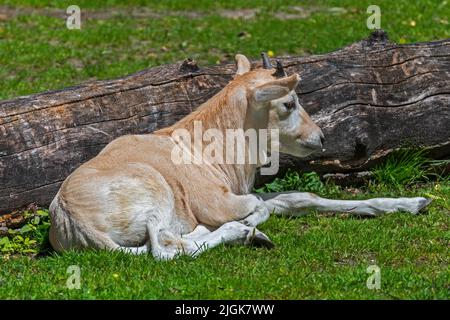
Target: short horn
{"x":266,"y":61}
{"x":279,"y":73}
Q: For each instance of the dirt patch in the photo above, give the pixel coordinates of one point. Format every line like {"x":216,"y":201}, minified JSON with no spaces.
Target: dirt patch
{"x":7,"y":13}
{"x":239,"y":14}
{"x":351,"y":260}
{"x":76,"y":63}
{"x":298,"y":12}
{"x":292,"y":12}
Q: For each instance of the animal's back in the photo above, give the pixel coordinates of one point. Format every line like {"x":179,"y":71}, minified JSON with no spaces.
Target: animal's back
{"x":109,"y":201}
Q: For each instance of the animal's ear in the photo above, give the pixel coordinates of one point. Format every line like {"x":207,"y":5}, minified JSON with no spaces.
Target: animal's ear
{"x":275,"y":89}
{"x":243,"y":65}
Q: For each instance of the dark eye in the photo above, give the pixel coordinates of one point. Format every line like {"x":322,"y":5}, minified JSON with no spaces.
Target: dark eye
{"x":290,"y":105}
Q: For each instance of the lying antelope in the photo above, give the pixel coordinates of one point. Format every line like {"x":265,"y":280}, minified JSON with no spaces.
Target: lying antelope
{"x":132,"y":197}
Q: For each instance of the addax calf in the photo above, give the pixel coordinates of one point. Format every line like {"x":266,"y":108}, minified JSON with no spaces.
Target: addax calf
{"x":132,"y":197}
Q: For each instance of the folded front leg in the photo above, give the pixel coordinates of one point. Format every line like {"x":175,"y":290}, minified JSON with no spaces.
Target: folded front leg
{"x":301,"y":203}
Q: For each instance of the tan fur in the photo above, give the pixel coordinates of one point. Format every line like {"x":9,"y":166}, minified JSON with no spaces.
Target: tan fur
{"x":110,"y":201}
{"x":133,"y":197}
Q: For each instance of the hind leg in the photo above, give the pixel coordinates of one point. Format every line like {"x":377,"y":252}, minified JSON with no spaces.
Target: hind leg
{"x":229,"y":233}
{"x":166,"y":246}
{"x":248,"y":209}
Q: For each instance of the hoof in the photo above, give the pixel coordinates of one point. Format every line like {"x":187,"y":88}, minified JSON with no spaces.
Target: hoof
{"x":259,"y":239}
{"x":424,"y":203}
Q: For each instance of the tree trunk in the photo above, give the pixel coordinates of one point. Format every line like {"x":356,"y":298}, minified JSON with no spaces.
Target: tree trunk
{"x":369,"y":98}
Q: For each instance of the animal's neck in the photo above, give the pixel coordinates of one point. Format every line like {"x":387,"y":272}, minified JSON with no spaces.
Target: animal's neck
{"x":226,"y":110}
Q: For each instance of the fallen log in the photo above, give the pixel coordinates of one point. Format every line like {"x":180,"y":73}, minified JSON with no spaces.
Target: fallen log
{"x":369,"y":98}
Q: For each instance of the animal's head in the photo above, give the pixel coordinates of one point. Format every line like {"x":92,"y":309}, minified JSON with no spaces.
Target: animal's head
{"x":272,"y":88}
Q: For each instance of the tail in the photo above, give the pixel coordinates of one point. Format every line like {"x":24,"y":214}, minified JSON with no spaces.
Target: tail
{"x":67,"y":233}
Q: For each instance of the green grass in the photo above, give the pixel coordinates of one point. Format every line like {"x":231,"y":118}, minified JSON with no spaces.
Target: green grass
{"x":316,"y":256}
{"x":323,"y":256}
{"x":38,"y":53}
{"x":402,"y":168}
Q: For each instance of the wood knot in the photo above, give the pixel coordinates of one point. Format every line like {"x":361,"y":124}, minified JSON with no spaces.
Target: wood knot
{"x":378,"y":36}
{"x":189,"y":65}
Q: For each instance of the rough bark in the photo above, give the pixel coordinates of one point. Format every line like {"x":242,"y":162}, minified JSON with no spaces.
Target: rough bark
{"x":369,"y":98}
